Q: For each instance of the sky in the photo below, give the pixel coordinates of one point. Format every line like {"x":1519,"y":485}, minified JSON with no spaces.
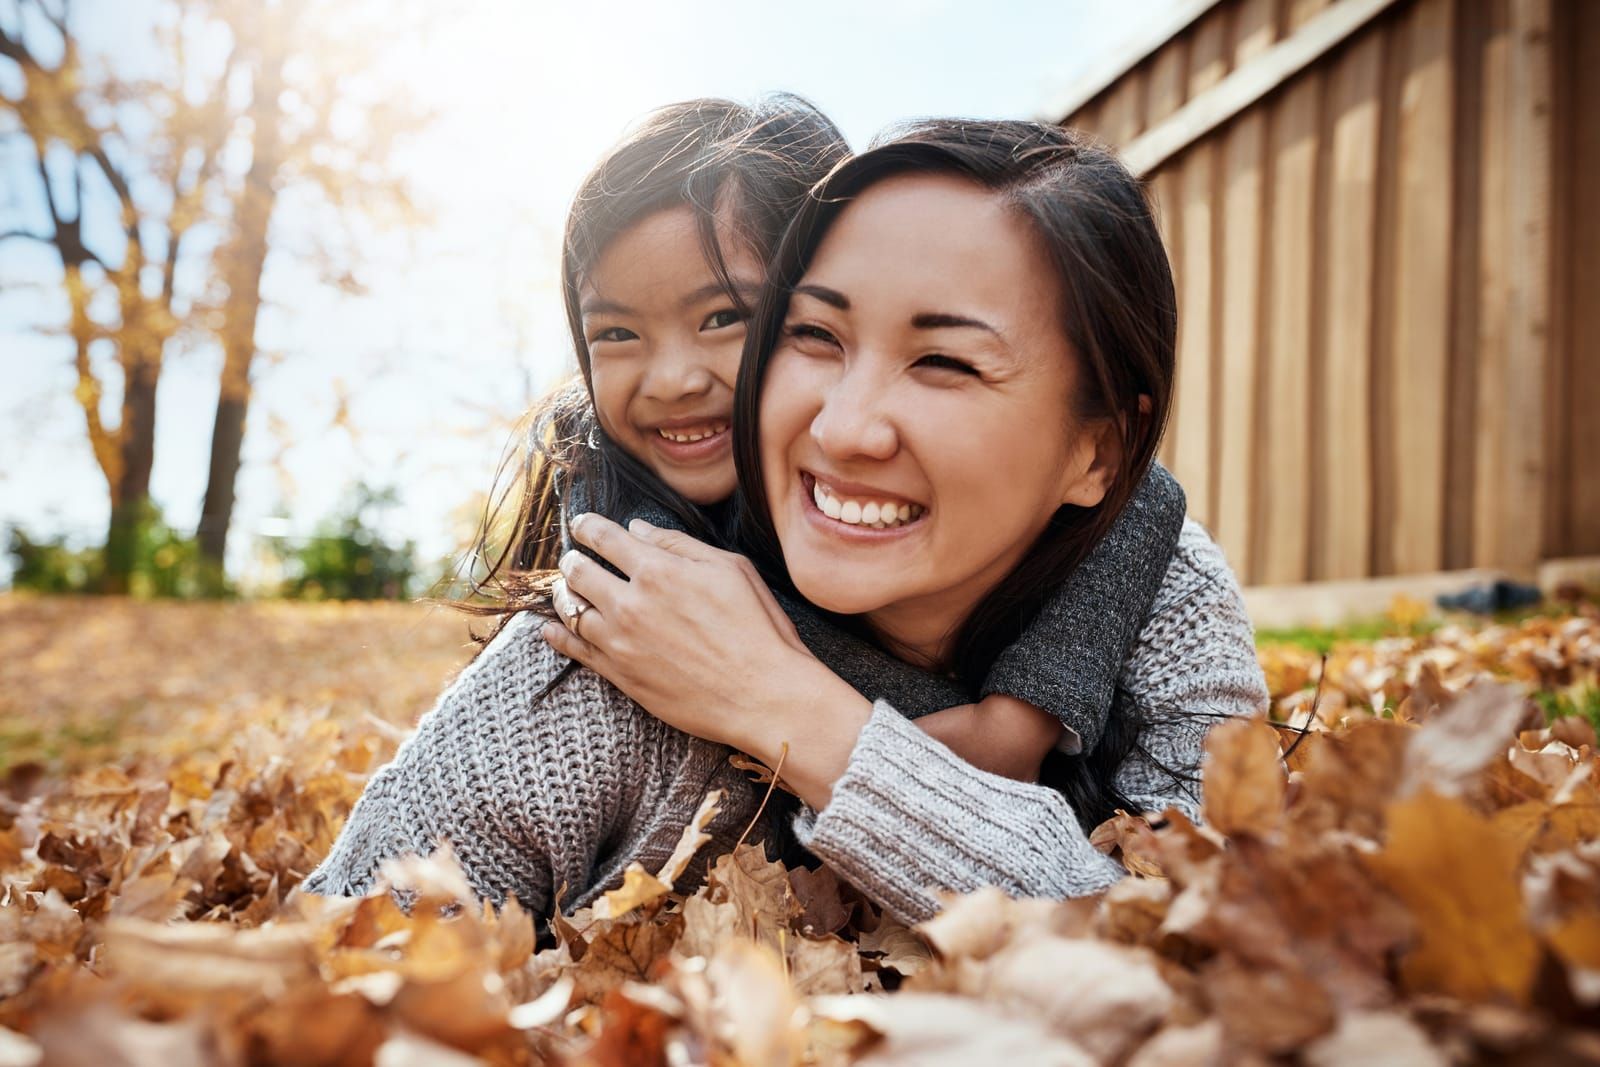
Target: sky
{"x":414,"y":383}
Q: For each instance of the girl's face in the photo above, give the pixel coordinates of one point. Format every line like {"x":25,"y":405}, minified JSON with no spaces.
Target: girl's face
{"x":916,"y":426}
{"x":664,"y":340}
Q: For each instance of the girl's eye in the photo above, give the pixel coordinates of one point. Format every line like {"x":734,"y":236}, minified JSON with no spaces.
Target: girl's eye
{"x":721,"y":320}
{"x":942,"y":362}
{"x":614,"y":333}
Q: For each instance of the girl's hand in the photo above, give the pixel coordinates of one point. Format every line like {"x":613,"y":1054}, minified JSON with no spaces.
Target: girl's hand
{"x":695,"y":637}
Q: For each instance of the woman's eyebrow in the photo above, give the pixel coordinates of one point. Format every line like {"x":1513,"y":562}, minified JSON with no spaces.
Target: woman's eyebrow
{"x":831,"y":297}
{"x":938,"y":320}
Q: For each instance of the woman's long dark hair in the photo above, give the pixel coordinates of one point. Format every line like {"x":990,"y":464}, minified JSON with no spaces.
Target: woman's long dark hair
{"x":745,"y":168}
{"x":1120,"y":317}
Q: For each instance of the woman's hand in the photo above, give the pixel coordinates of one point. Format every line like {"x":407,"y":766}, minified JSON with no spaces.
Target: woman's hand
{"x":696,"y":638}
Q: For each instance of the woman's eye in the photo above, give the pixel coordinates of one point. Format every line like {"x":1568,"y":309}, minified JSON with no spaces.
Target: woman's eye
{"x":720,"y":320}
{"x":805,"y":331}
{"x":614,"y":333}
{"x":943,"y":362}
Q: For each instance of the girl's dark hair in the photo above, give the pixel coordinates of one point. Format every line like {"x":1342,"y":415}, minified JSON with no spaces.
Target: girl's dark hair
{"x":744,"y":168}
{"x":1120,"y":317}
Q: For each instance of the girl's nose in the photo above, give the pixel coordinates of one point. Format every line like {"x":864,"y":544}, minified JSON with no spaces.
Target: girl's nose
{"x":676,"y":372}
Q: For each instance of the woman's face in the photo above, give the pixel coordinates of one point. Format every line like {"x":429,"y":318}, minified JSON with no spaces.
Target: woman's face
{"x":916,"y":419}
{"x":664,"y":340}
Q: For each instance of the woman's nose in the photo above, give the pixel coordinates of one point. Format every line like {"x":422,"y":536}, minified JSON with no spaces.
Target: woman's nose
{"x":853,"y":422}
{"x":675,"y":372}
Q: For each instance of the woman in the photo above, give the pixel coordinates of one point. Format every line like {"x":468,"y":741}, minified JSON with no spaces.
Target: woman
{"x":1042,"y":331}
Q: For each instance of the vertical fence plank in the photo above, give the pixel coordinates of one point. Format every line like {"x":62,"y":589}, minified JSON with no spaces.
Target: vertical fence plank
{"x":1243,"y":210}
{"x":1415,"y":391}
{"x":1342,"y":474}
{"x":1474,"y":34}
{"x":1508,"y":531}
{"x":1166,"y":190}
{"x":1123,"y":108}
{"x":1494,"y":239}
{"x":1581,"y":492}
{"x":1195,"y":414}
{"x":1164,"y":92}
{"x":1284,"y":463}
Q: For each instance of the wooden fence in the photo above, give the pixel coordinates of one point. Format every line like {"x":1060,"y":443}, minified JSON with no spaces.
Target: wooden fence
{"x":1384,"y":220}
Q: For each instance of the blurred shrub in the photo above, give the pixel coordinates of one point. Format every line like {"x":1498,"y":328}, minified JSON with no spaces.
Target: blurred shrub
{"x":165,"y":563}
{"x":347,"y":559}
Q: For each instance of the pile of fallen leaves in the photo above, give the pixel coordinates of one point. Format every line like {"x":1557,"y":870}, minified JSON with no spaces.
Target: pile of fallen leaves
{"x":1404,"y":868}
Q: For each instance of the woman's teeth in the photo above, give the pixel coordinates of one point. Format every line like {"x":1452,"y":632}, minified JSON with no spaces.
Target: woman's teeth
{"x":697,"y":434}
{"x":876,"y":514}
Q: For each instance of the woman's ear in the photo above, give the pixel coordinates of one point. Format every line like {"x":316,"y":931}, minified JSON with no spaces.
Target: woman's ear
{"x":1097,"y":463}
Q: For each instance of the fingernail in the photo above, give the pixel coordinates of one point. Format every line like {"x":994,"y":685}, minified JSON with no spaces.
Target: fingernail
{"x":635,"y":525}
{"x":567,"y":559}
{"x":576,"y":522}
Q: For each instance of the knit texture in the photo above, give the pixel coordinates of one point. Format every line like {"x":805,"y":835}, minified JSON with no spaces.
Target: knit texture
{"x":566,"y":788}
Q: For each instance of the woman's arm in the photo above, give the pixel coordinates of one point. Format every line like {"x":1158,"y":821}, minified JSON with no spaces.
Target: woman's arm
{"x":907,"y":817}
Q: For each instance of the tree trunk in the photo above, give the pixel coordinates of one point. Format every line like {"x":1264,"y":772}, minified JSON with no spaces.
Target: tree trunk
{"x":130,"y":492}
{"x":245,"y":260}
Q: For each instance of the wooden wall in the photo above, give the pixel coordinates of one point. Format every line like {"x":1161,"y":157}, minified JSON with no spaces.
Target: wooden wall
{"x":1384,"y":221}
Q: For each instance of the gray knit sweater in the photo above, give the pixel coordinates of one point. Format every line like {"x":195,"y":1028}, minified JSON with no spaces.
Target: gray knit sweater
{"x":536,"y":793}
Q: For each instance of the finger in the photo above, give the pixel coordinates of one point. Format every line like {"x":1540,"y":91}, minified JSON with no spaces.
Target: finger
{"x":571,"y":645}
{"x":616,"y":545}
{"x":568,"y":604}
{"x":675,"y":541}
{"x":780,"y":620}
{"x":590,"y":580}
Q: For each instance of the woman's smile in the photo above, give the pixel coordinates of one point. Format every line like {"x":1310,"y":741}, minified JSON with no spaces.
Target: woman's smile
{"x":858,"y":514}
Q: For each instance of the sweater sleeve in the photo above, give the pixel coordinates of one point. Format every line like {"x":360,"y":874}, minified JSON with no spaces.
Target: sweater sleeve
{"x":1068,"y":659}
{"x":538,"y":777}
{"x":909,"y":817}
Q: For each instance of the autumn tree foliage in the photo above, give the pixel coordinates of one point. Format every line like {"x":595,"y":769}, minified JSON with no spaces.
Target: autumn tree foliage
{"x":159,"y":182}
{"x":149,"y":149}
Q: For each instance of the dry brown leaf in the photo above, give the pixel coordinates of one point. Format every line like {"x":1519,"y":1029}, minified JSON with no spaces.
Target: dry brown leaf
{"x":1457,"y":872}
{"x":639,"y":889}
{"x":694,"y":837}
{"x":1375,"y":1039}
{"x":1244,"y":778}
{"x":940,"y":1030}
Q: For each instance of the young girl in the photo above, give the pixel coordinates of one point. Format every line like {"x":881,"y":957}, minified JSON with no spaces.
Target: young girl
{"x":665,"y":248}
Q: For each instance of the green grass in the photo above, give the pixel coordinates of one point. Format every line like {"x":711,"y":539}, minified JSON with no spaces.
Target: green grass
{"x":1321,"y":640}
{"x":1580,"y":700}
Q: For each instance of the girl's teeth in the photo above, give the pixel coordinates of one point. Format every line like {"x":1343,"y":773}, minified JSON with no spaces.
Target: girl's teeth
{"x":873,"y":513}
{"x":697,"y":435}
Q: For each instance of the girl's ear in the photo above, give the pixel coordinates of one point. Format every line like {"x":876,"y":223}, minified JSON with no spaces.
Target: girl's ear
{"x":1096,"y":463}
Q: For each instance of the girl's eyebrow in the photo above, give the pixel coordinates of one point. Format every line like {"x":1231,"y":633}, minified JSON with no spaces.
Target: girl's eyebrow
{"x":601,"y":306}
{"x":744,"y":291}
